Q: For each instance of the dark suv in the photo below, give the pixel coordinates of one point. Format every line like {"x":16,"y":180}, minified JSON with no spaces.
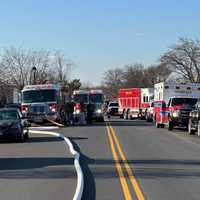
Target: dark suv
{"x":194,"y":120}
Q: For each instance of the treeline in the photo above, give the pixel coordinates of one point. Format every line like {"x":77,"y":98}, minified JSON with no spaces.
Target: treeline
{"x":19,"y":67}
{"x":181,"y":63}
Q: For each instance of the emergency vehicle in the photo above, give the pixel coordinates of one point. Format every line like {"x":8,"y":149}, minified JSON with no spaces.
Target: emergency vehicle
{"x":176,"y":102}
{"x":129,"y":103}
{"x":41,"y":97}
{"x":93,"y":96}
{"x":147,"y":97}
{"x":133,"y":102}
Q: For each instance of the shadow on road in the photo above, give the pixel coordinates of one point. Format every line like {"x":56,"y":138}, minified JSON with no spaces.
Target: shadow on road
{"x":89,"y":192}
{"x":37,"y":167}
{"x":43,"y":139}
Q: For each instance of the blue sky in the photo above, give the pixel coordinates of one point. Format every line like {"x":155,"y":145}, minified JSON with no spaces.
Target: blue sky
{"x":98,"y":35}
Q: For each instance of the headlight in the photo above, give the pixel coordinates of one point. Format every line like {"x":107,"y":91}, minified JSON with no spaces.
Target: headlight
{"x":175,"y":113}
{"x":99,"y":111}
{"x":77,"y":111}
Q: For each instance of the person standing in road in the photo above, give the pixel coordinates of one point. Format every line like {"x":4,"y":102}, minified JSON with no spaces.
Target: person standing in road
{"x":90,"y":112}
{"x":82,"y":114}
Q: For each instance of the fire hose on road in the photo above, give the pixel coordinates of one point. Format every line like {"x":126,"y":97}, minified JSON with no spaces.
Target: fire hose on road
{"x":76,"y":155}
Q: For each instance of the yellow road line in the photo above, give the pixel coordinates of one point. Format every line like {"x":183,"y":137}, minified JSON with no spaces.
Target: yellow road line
{"x":131,"y":176}
{"x":126,"y":191}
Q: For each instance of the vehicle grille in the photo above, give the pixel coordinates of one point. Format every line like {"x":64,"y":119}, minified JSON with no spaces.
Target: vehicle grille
{"x":37,"y":109}
{"x":114,"y":110}
{"x":184,"y":113}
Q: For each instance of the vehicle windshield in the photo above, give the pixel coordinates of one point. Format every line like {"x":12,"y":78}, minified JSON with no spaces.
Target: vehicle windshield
{"x":181,"y":101}
{"x":96,"y":98}
{"x":8,"y":115}
{"x":34,"y":96}
{"x":78,"y":98}
{"x":114,"y":104}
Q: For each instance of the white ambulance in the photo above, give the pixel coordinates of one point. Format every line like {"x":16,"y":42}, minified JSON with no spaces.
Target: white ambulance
{"x":179,"y":99}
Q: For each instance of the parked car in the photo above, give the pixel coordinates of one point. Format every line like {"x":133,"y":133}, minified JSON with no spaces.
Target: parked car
{"x":13,"y":125}
{"x":194,"y":120}
{"x":112,"y":109}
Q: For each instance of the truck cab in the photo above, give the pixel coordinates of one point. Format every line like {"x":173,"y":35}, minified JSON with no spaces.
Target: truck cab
{"x":179,"y":110}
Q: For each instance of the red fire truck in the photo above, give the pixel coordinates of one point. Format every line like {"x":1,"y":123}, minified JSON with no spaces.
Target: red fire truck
{"x":133,"y":102}
{"x":94,"y":97}
{"x":173,"y":103}
{"x":40,"y":102}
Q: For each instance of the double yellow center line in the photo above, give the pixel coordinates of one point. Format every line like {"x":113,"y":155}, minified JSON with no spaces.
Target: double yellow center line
{"x":122,"y":163}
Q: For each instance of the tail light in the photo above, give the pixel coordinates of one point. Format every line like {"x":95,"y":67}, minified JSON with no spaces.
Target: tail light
{"x":24,"y":108}
{"x":53,"y":107}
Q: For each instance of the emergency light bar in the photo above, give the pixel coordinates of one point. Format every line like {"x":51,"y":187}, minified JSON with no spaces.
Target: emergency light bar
{"x":41,"y":87}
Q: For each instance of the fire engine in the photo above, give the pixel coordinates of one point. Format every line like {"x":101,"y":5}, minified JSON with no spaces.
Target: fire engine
{"x":133,"y":102}
{"x":93,"y":96}
{"x":46,"y":99}
{"x":175,"y":100}
{"x":129,"y":103}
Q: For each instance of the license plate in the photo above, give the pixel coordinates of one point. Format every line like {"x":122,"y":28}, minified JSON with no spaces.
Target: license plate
{"x":38,"y":119}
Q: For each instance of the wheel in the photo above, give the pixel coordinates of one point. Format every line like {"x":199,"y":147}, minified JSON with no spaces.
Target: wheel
{"x":157,"y":125}
{"x":170,"y":126}
{"x":26,"y":136}
{"x":162,"y":126}
{"x":108,"y":116}
{"x":125,"y":115}
{"x":20,"y":137}
{"x":101,"y":119}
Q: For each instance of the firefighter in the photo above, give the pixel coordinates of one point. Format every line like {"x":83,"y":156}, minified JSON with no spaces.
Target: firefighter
{"x":90,"y":112}
{"x":82,"y":118}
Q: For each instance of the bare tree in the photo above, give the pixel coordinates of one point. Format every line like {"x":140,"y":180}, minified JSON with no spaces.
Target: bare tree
{"x":134,"y":76}
{"x":155,"y":74}
{"x":112,"y":81}
{"x":16,"y":66}
{"x":184,"y":59}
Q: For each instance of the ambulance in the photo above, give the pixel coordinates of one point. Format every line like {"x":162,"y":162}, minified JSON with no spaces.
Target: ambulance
{"x":173,"y":103}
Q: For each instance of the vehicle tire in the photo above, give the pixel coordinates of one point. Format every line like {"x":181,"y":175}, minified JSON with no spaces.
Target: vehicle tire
{"x":125,"y":116}
{"x":157,"y":125}
{"x":101,"y":119}
{"x":170,"y":126}
{"x":20,"y":137}
{"x":162,"y":126}
{"x":108,"y":116}
{"x":26,"y":136}
{"x":121,"y":116}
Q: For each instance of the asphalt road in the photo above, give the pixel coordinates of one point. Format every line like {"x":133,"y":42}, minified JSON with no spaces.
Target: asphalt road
{"x":120,"y":160}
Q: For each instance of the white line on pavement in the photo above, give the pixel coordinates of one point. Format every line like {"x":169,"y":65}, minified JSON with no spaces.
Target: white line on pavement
{"x":80,"y":179}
